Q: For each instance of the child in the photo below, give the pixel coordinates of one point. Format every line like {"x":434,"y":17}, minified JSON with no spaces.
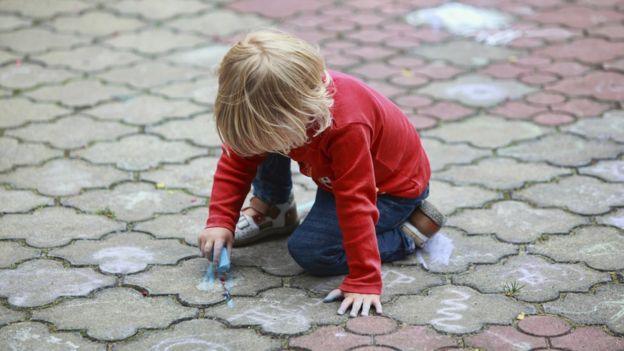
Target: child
{"x":276,"y":102}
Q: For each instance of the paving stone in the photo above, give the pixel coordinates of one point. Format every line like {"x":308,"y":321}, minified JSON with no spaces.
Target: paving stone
{"x":144,"y":110}
{"x":201,"y":130}
{"x":580,"y":194}
{"x":451,"y":251}
{"x":585,"y":50}
{"x":396,"y":281}
{"x":577,"y":16}
{"x":610,"y":126}
{"x":207,"y":56}
{"x":456,"y":309}
{"x":195,"y":177}
{"x":610,"y":170}
{"x":45,"y":8}
{"x":279,"y":262}
{"x":142,"y":74}
{"x":599,"y":246}
{"x":54,"y":226}
{"x":186,"y":281}
{"x":72,"y":94}
{"x":9,"y":316}
{"x":615,"y":219}
{"x":582,"y":107}
{"x":36,"y":337}
{"x":154,"y":41}
{"x":12,"y":252}
{"x":504,"y":338}
{"x":330,"y":338}
{"x":96,"y":24}
{"x":588,"y":338}
{"x":139,"y":152}
{"x":416,"y":338}
{"x":114,"y":314}
{"x":539,"y":279}
{"x":203,"y":91}
{"x":18,"y":111}
{"x":219,"y":22}
{"x":562,"y":150}
{"x":501,"y":132}
{"x":132,"y":201}
{"x":446,"y":111}
{"x":275,"y":8}
{"x":6,"y":57}
{"x":465,"y":53}
{"x":515,"y":221}
{"x":501,"y":173}
{"x":605,"y":306}
{"x":63,"y":177}
{"x":601,"y":85}
{"x":553,"y":119}
{"x":124,"y":253}
{"x":35,"y":40}
{"x":21,"y":200}
{"x":544,"y":326}
{"x":279,"y":311}
{"x":39,"y":282}
{"x":476,"y":90}
{"x":199,"y":334}
{"x":14,"y":153}
{"x":441,"y":154}
{"x":448,"y":198}
{"x":158,"y":9}
{"x":518,"y":110}
{"x":186,"y":226}
{"x":371,"y":325}
{"x":88,"y":58}
{"x":27,"y":76}
{"x":9,"y":22}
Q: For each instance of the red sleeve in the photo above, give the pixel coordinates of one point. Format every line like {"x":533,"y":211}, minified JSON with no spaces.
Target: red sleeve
{"x":356,"y":198}
{"x":232,"y":182}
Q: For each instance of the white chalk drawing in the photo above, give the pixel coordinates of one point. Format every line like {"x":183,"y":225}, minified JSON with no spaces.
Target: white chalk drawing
{"x":616,"y":221}
{"x":535,"y":275}
{"x":25,"y":334}
{"x":187,"y":343}
{"x":271,"y":317}
{"x":459,"y":19}
{"x":123,"y":259}
{"x":515,"y":344}
{"x":619,"y":314}
{"x":451,"y":312}
{"x":392,"y":277}
{"x":439,"y":250}
{"x":477,"y":92}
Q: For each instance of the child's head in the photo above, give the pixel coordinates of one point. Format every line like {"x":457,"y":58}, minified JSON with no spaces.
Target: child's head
{"x":270,"y":90}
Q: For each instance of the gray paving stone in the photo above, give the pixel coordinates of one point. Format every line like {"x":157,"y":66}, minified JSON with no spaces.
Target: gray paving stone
{"x":279,"y":311}
{"x":186,"y":280}
{"x":17,"y":111}
{"x":500,"y":132}
{"x":36,"y":337}
{"x":5,"y":57}
{"x":501,"y":173}
{"x":202,"y":334}
{"x":562,"y":150}
{"x":9,"y":316}
{"x":145,"y":110}
{"x":46,"y":8}
{"x":206,"y":57}
{"x":609,"y":126}
{"x":139,"y":152}
{"x":115,"y":314}
{"x":271,"y":256}
{"x":154,"y":41}
{"x":84,"y":130}
{"x":201,"y":130}
{"x":55,"y":226}
{"x":35,"y":40}
{"x":441,"y":154}
{"x":9,"y":22}
{"x":598,"y":246}
{"x":515,"y":221}
{"x":63,"y":177}
{"x":158,"y":9}
{"x":39,"y":282}
{"x":539,"y":279}
{"x":195,"y":177}
{"x":610,"y":170}
{"x":219,"y":22}
{"x":465,"y":53}
{"x":14,"y":153}
{"x":477,"y":90}
{"x":96,"y":24}
{"x":410,"y":280}
{"x":12,"y":252}
{"x":605,"y":306}
{"x":125,"y":253}
{"x":456,"y":309}
{"x":615,"y":219}
{"x":88,"y":58}
{"x":21,"y":200}
{"x":580,"y":194}
{"x":448,"y":198}
{"x":73,"y":93}
{"x":27,"y":76}
{"x":142,"y":74}
{"x":185,"y":226}
{"x":451,"y":251}
{"x":132,"y":201}
{"x":203,"y":91}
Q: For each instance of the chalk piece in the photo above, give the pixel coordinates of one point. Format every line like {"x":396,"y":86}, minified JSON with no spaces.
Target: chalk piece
{"x":224,"y":262}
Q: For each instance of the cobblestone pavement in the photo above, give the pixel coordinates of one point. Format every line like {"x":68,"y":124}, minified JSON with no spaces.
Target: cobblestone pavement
{"x":107,"y":151}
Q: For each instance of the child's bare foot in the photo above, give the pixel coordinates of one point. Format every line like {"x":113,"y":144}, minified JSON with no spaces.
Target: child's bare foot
{"x":259,"y":220}
{"x":423,"y":223}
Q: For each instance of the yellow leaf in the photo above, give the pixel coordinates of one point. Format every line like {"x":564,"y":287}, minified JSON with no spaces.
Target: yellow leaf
{"x":160,"y":185}
{"x":520,"y":316}
{"x":407,"y":72}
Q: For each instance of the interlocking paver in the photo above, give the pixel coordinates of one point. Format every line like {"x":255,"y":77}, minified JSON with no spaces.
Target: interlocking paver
{"x":543,"y":326}
{"x":12,"y":252}
{"x":14,"y":153}
{"x":201,"y":130}
{"x":278,"y":262}
{"x":610,"y":170}
{"x":610,"y":126}
{"x":27,"y":76}
{"x":203,"y":91}
{"x":330,"y":338}
{"x":141,"y":75}
{"x":615,"y":219}
{"x":18,"y":111}
{"x":185,"y":226}
{"x":35,"y":40}
{"x":21,"y":200}
{"x":46,"y":8}
{"x":88,"y":58}
{"x":505,"y":338}
{"x":159,"y":9}
{"x":219,"y":22}
{"x":72,"y":94}
{"x":9,"y":316}
{"x":442,"y":154}
{"x":588,"y":338}
{"x":207,"y":56}
{"x":37,"y":336}
{"x":465,"y":53}
{"x":450,"y":197}
{"x":601,"y":85}
{"x":416,"y":338}
{"x":196,"y":176}
{"x":96,"y":24}
{"x":154,"y":41}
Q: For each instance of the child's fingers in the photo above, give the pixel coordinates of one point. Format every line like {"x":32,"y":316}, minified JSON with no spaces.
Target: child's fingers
{"x":366,"y":307}
{"x":333,"y":295}
{"x":216,"y":256}
{"x":208,"y":249}
{"x":344,"y":305}
{"x":377,"y":304}
{"x":200,"y":243}
{"x":357,"y":303}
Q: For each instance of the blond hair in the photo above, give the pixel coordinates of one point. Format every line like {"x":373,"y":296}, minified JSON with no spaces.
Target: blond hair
{"x":270,"y":91}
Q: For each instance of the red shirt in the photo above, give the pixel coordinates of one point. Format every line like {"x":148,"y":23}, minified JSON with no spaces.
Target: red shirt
{"x":370,"y":148}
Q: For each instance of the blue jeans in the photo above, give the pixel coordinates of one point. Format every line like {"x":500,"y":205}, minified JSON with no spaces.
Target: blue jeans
{"x":316,"y":245}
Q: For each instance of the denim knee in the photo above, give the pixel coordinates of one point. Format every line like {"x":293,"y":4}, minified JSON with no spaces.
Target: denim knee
{"x":316,"y":261}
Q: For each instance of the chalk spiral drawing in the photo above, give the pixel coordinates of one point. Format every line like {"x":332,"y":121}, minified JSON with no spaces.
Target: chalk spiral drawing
{"x":188,"y":343}
{"x":537,"y":274}
{"x":451,"y":311}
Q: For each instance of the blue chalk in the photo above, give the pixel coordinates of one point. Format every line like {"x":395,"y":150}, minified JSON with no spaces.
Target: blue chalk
{"x":224,"y":262}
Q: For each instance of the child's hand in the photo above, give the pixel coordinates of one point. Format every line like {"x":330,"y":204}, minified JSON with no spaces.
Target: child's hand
{"x":356,"y":301}
{"x":214,"y":239}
